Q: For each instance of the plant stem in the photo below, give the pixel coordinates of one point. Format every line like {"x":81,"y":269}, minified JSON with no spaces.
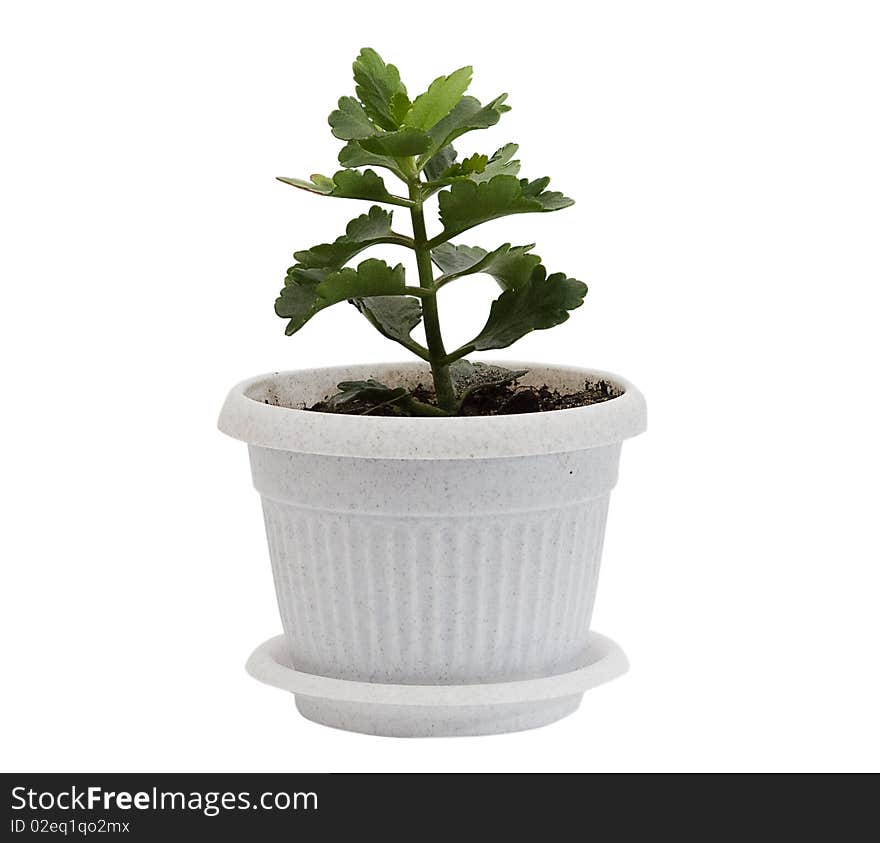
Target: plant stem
{"x":443,"y":387}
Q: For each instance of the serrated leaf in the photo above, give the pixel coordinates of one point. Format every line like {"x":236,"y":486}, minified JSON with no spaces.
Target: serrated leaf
{"x":393,"y":316}
{"x":349,"y":184}
{"x":477,"y":168}
{"x":400,"y":144}
{"x":354,"y":155}
{"x":468,"y":203}
{"x":472,"y":165}
{"x":457,"y":259}
{"x":300,"y":301}
{"x":550,"y":200}
{"x":475,"y":163}
{"x":468,"y":115}
{"x":379,"y":88}
{"x":364,"y":231}
{"x":499,"y":164}
{"x":544,"y":301}
{"x":510,"y":266}
{"x":372,"y":277}
{"x":369,"y":226}
{"x":297,"y":302}
{"x":442,"y":96}
{"x":468,"y":378}
{"x":349,"y":121}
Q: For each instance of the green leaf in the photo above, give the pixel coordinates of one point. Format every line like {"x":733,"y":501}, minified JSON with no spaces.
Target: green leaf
{"x":306,"y":274}
{"x":302,"y":298}
{"x":349,"y":184}
{"x":379,"y":88}
{"x":477,"y":168}
{"x":393,"y":316}
{"x":400,"y":106}
{"x":457,"y":260}
{"x":544,"y":301}
{"x":350,"y":121}
{"x":468,"y":115}
{"x":475,"y":163}
{"x":297,"y":302}
{"x":510,"y":266}
{"x":354,"y":155}
{"x":499,"y":164}
{"x":398,"y":400}
{"x":362,"y":232}
{"x":440,"y":163}
{"x":468,"y":203}
{"x":441,"y":97}
{"x":369,"y":226}
{"x":400,"y":144}
{"x":372,"y":278}
{"x":468,"y":378}
{"x":371,"y":391}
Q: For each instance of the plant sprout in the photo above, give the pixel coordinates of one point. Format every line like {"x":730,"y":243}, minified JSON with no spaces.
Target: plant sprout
{"x":412,"y":139}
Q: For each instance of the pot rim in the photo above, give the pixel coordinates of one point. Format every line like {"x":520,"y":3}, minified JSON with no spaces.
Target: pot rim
{"x":247,"y":416}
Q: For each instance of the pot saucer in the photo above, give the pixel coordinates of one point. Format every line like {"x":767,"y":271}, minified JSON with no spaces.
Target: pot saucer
{"x":437,"y":710}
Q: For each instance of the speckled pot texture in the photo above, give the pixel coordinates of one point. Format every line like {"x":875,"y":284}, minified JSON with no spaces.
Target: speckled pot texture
{"x":433,"y":551}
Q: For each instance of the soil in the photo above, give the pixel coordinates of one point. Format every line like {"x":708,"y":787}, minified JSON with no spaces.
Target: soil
{"x":509,"y":399}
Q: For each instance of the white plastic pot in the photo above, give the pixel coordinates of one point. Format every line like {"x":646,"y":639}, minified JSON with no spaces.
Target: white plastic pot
{"x":435,"y":576}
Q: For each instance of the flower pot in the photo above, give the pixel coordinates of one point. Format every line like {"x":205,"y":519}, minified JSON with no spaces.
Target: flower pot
{"x":435,"y":576}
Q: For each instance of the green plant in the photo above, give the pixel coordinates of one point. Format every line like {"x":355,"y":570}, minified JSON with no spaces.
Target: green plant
{"x":413,"y":140}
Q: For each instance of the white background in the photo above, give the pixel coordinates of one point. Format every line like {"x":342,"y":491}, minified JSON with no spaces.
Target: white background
{"x":725,"y":159}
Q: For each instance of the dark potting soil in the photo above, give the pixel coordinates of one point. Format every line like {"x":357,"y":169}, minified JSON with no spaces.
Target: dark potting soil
{"x":509,"y":399}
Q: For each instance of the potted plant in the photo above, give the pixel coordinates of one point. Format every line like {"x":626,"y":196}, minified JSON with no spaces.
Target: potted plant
{"x":435,"y":527}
